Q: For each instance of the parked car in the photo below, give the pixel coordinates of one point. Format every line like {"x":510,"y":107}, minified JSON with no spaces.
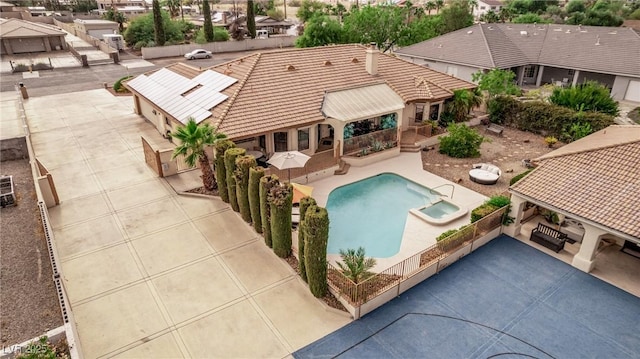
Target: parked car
{"x":198,"y":54}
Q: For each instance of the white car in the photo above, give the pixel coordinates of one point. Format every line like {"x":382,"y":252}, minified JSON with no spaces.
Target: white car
{"x":198,"y":54}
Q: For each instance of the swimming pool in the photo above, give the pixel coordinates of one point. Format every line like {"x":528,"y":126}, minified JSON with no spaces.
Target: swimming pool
{"x":372,"y":212}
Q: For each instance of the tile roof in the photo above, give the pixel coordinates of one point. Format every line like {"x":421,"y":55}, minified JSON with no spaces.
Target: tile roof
{"x":596,"y":178}
{"x":285,"y":88}
{"x":610,"y":50}
{"x":16,"y":28}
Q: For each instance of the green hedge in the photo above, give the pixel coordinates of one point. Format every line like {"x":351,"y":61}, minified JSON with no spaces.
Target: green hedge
{"x":243,"y":164}
{"x":255,"y":174}
{"x":482,"y":211}
{"x":117,"y":86}
{"x":315,"y":249}
{"x":305,"y":203}
{"x":221,"y":171}
{"x":230,"y":156}
{"x":266,"y":183}
{"x":280,"y":201}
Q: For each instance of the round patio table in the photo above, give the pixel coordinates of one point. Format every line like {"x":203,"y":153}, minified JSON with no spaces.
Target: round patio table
{"x":256,"y":154}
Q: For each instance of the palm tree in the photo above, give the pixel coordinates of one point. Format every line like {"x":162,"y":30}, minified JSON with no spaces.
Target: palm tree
{"x":439,"y":5}
{"x":194,"y":138}
{"x":355,"y":266}
{"x":430,"y":5}
{"x":462,"y":103}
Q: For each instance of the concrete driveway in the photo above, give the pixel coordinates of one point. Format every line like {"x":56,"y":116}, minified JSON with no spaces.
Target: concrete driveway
{"x":148,"y":272}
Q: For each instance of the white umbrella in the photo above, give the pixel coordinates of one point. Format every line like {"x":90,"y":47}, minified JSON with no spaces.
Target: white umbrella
{"x":288,"y":160}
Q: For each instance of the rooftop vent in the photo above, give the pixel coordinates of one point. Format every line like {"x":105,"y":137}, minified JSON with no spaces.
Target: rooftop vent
{"x":568,"y":31}
{"x":469,"y":32}
{"x":327,"y":63}
{"x":354,"y":60}
{"x":597,"y":40}
{"x":613,"y":32}
{"x":490,"y":27}
{"x":558,"y":29}
{"x":290,"y":67}
{"x":524,"y":33}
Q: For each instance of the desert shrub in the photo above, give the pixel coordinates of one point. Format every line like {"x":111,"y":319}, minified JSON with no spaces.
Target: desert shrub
{"x":589,"y":96}
{"x":499,"y":201}
{"x":482,"y":211}
{"x":503,"y":109}
{"x":305,"y":203}
{"x":230,"y":156}
{"x":221,"y":171}
{"x":280,"y":200}
{"x":446,"y":234}
{"x":41,"y":66}
{"x":243,"y":164}
{"x":20,"y":68}
{"x":117,"y":86}
{"x":266,"y":183}
{"x":315,"y":249}
{"x":255,"y":174}
{"x":461,"y":142}
{"x":518,"y":177}
{"x":140,"y":44}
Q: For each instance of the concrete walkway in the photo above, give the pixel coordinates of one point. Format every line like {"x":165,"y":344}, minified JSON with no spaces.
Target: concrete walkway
{"x":150,"y":273}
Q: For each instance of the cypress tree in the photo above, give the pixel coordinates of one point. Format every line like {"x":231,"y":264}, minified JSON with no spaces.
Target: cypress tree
{"x":221,"y":169}
{"x":305,"y":203}
{"x":251,"y":19}
{"x":243,"y":164}
{"x":158,"y":24}
{"x":255,"y":174}
{"x":281,"y":200}
{"x":230,"y":164}
{"x":315,"y":249}
{"x":208,"y":25}
{"x":266,"y":183}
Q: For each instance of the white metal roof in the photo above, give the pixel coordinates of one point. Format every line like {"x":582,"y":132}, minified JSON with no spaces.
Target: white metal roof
{"x":166,"y":89}
{"x":361,"y":102}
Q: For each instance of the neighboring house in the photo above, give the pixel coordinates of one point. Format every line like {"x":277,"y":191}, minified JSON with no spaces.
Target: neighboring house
{"x":96,"y":28}
{"x":273,"y":26}
{"x":130,"y":8}
{"x":19,"y":36}
{"x":539,"y":54}
{"x":595,"y":181}
{"x":299,"y":99}
{"x":484,"y":6}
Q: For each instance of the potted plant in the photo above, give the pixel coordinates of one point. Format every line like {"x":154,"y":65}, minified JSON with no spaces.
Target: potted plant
{"x":550,"y":141}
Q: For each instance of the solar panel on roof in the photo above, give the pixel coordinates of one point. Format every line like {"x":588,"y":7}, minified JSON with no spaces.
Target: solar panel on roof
{"x":215,"y":80}
{"x":206,"y":97}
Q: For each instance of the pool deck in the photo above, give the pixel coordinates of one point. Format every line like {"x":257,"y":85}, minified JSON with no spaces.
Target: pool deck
{"x":418,"y":235}
{"x":506,"y":299}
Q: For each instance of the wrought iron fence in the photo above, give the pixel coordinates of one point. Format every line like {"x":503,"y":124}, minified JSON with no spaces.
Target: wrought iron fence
{"x":383,"y":138}
{"x":359,"y":293}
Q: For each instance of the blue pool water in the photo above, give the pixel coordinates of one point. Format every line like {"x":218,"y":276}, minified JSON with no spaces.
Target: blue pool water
{"x":440,"y":209}
{"x":371,"y":213}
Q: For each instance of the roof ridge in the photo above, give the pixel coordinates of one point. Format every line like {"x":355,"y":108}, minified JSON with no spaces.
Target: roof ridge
{"x":445,"y":89}
{"x":242,"y":82}
{"x":586,"y":150}
{"x":486,"y":43}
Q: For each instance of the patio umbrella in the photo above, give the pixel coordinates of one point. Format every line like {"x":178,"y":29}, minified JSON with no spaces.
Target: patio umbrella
{"x":300,"y":191}
{"x":288,"y":160}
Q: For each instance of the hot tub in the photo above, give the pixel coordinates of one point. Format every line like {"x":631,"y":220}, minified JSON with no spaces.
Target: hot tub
{"x":440,"y":212}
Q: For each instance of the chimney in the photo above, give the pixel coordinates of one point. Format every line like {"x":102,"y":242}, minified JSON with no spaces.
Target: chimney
{"x":371,"y":63}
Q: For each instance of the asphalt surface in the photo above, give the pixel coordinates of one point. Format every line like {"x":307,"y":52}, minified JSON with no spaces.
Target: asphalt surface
{"x":66,"y":80}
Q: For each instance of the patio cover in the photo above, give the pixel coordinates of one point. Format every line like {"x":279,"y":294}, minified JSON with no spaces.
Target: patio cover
{"x":361,"y":102}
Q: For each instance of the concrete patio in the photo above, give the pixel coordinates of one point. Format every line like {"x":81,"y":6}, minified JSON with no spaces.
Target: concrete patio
{"x":148,"y":272}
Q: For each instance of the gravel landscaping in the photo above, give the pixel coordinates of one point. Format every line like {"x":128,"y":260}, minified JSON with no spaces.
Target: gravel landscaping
{"x":28,"y":304}
{"x":506,"y":152}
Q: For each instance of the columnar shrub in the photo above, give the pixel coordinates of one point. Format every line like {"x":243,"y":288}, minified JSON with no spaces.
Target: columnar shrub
{"x":280,"y":201}
{"x":315,"y":249}
{"x":305,"y":203}
{"x":221,"y":169}
{"x":255,"y":174}
{"x":461,"y":142}
{"x":243,"y":164}
{"x":230,"y":164}
{"x":266,"y":183}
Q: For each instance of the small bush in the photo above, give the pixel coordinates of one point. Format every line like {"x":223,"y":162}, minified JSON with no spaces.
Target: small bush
{"x":140,"y":44}
{"x":446,"y":234}
{"x":590,"y":96}
{"x":41,"y":66}
{"x":499,"y":201}
{"x":482,"y":211}
{"x":117,"y":86}
{"x":461,"y":142}
{"x":20,"y":68}
{"x":519,"y":177}
{"x":503,"y":109}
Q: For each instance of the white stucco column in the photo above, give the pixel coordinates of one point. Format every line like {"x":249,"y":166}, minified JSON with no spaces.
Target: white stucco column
{"x":584,"y":259}
{"x":338,"y":136}
{"x":516,"y":211}
{"x":576,"y":74}
{"x":540,"y":72}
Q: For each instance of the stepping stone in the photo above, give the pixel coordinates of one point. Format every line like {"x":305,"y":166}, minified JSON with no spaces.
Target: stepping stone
{"x":437,"y":165}
{"x":446,"y":165}
{"x":456,"y":165}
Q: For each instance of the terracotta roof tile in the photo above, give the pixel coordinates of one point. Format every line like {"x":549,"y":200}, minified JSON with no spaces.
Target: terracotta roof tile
{"x":601,"y":185}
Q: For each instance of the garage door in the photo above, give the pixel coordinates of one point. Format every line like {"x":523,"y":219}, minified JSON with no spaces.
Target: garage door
{"x":633,"y":91}
{"x":20,"y":46}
